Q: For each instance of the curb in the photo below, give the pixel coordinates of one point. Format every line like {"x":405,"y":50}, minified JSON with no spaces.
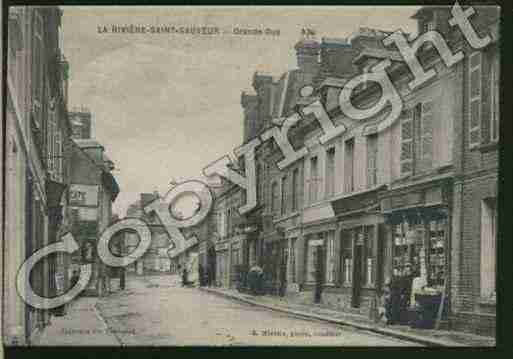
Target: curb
{"x":384,"y":331}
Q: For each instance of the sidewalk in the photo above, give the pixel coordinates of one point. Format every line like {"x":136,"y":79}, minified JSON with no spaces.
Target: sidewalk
{"x":429,"y":337}
{"x":81,"y":326}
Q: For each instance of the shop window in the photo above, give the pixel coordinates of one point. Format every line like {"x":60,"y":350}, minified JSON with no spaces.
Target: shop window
{"x":436,"y":252}
{"x":474,"y":100}
{"x":372,"y":156}
{"x":330,"y":172}
{"x":347,"y":258}
{"x":349,"y":166}
{"x":314,"y":178}
{"x":408,"y":242}
{"x":369,"y":255}
{"x":330,"y":257}
{"x":311,"y":262}
{"x":488,"y":245}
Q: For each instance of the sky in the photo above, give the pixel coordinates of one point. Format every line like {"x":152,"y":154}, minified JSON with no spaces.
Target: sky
{"x":166,"y":105}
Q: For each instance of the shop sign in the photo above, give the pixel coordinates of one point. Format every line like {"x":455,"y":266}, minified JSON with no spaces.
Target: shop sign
{"x":83,"y":195}
{"x":222,"y":246}
{"x":407,"y":200}
{"x":315,"y":242}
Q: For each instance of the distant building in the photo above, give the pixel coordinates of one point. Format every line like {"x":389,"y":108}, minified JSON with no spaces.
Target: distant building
{"x":80,"y":119}
{"x":93,"y":189}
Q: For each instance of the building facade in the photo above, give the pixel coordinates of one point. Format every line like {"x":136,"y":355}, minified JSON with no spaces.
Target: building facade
{"x":93,"y":189}
{"x":37,"y":176}
{"x":336,"y":225}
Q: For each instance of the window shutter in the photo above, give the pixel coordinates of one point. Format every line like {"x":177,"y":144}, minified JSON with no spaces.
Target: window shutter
{"x":494,"y":91}
{"x":337,"y":256}
{"x":406,"y":160}
{"x":475,"y":61}
{"x":372,"y":155}
{"x":427,"y":130}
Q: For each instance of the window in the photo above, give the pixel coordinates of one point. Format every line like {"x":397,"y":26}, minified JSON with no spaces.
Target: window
{"x":347,"y":257}
{"x":330,"y":172}
{"x":274,"y":197}
{"x":372,"y":157}
{"x":295,"y":189}
{"x":474,"y":99}
{"x":369,"y":254}
{"x":488,"y":244}
{"x":292,"y":259}
{"x":259,"y":183}
{"x":283,"y":195}
{"x":311,"y":261}
{"x":426,"y":130}
{"x":406,"y":160}
{"x":314,"y":173}
{"x":494,"y":92}
{"x":429,"y":25}
{"x":330,"y":257}
{"x":349,"y":166}
{"x":437,"y":252}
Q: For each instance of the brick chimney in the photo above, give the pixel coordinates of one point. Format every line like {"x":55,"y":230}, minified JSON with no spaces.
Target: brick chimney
{"x":307,"y":54}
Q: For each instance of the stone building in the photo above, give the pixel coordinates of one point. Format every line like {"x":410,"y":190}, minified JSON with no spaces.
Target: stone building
{"x":37,"y":163}
{"x":156,"y":259}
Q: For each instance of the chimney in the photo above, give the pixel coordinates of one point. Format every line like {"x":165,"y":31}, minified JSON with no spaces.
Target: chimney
{"x":307,"y":53}
{"x":251,"y":126}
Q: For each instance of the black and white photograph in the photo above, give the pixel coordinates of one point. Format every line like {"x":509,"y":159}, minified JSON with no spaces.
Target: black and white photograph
{"x":251,"y":176}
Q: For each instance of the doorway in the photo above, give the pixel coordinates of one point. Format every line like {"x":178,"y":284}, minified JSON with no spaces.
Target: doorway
{"x":357,"y":274}
{"x":319,"y":272}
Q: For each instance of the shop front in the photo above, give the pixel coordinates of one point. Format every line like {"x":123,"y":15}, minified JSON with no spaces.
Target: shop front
{"x":273,"y":261}
{"x":237,"y":267}
{"x":222,"y":250}
{"x":418,"y":229}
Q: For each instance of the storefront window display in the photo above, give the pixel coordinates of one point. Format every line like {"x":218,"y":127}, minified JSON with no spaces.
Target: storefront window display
{"x":426,"y":252}
{"x":408,"y":241}
{"x":347,"y":258}
{"x":330,"y":257}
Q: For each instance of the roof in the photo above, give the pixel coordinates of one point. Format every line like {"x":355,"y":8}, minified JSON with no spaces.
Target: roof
{"x":378,"y":54}
{"x":335,"y":41}
{"x":87,"y":143}
{"x":334,"y":82}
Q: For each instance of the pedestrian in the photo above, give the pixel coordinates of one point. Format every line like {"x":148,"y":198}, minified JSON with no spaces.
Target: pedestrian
{"x":395,"y":298}
{"x":184,"y":277}
{"x":201,"y":275}
{"x":405,"y":293}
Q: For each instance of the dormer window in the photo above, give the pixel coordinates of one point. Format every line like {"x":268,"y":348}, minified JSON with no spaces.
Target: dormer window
{"x":429,"y":25}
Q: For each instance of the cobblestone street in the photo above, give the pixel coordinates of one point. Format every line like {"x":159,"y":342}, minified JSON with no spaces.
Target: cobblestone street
{"x":188,"y":316}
